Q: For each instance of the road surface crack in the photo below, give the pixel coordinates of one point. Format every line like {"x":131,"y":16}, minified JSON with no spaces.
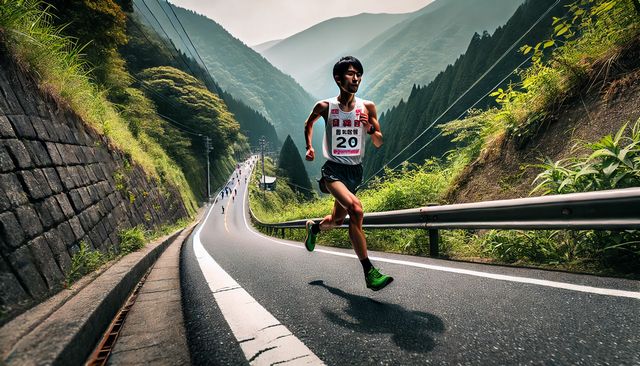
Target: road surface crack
{"x":261,"y":352}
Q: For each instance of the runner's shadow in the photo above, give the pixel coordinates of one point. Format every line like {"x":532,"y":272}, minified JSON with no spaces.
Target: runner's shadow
{"x":410,"y":330}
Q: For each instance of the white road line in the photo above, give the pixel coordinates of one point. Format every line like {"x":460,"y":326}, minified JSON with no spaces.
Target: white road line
{"x":262,"y":338}
{"x":533,"y":281}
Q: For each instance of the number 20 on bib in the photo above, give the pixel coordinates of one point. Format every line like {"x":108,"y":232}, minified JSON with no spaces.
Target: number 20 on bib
{"x":346,"y":140}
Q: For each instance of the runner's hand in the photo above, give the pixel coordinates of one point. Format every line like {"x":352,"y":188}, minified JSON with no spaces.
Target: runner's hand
{"x":311,"y":154}
{"x":364,"y":119}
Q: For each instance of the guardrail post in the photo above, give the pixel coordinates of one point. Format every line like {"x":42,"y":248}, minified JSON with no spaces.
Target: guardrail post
{"x":434,"y":239}
{"x":282,"y":233}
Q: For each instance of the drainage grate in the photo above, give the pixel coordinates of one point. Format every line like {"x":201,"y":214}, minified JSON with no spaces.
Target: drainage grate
{"x":100,"y":356}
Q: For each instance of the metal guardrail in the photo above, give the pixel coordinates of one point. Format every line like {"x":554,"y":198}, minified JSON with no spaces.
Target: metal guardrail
{"x":602,"y":210}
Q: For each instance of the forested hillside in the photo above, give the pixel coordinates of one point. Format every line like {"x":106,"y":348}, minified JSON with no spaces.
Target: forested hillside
{"x":415,"y":50}
{"x":146,"y":48}
{"x":408,"y":120}
{"x":311,"y":53}
{"x":238,"y":69}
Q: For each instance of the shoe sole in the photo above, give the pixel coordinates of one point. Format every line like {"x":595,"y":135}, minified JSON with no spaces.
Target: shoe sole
{"x":307,"y":238}
{"x":381,"y":287}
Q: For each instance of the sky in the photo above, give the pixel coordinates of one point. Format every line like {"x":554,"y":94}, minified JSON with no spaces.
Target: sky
{"x":257,"y":21}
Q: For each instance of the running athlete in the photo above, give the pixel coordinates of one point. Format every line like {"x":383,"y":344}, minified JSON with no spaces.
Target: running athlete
{"x":346,"y":120}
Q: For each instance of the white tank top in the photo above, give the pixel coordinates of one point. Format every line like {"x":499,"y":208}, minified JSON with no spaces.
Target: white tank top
{"x":343,"y":140}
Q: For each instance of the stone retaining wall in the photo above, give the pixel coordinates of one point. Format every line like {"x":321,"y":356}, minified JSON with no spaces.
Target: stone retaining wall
{"x":61,"y":184}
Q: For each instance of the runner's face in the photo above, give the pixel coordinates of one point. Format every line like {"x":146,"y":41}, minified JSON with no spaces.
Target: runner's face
{"x":351,"y":80}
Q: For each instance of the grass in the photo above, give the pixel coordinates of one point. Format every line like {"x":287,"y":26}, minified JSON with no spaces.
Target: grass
{"x":62,"y":73}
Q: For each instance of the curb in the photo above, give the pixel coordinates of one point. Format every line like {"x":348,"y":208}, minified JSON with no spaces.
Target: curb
{"x":68,"y":334}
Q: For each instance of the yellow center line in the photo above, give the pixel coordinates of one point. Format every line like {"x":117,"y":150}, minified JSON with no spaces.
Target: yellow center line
{"x":229,"y":205}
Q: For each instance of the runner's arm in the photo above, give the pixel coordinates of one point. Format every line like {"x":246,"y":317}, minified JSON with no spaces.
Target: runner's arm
{"x":320,"y":109}
{"x":372,"y":115}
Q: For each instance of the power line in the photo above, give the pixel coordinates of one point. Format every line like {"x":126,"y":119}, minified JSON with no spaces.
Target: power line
{"x":190,"y":41}
{"x":134,"y":22}
{"x":466,"y":91}
{"x":165,"y":33}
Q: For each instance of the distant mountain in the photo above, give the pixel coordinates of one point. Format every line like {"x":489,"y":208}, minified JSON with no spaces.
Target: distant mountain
{"x":266,"y":45}
{"x":404,"y":122}
{"x":303,"y":54}
{"x":415,"y":50}
{"x":237,"y":69}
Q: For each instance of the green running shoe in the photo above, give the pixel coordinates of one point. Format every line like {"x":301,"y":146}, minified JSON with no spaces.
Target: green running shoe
{"x":376,"y":280}
{"x":310,"y":240}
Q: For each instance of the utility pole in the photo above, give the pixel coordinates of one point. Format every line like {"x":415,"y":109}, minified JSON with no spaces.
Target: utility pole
{"x":208,"y":149}
{"x":262,"y":142}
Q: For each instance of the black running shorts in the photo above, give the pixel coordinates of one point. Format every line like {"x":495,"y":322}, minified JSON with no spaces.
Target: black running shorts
{"x":350,"y":175}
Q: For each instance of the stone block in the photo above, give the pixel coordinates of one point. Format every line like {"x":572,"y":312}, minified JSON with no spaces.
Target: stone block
{"x":66,"y":152}
{"x":29,"y":221}
{"x":11,"y":291}
{"x":38,"y":126}
{"x":51,"y":125}
{"x":91,"y":174}
{"x":67,"y":235}
{"x":44,"y":215}
{"x":78,"y":232}
{"x":102,"y":231}
{"x":86,"y":220}
{"x":54,"y":154}
{"x":59,"y":250}
{"x":93,"y":194}
{"x":65,"y":134}
{"x":65,"y":205}
{"x":4,"y":202}
{"x":51,"y":205}
{"x":29,"y":98}
{"x":22,"y":126}
{"x":32,"y":185}
{"x":6,"y":164}
{"x":73,"y":172}
{"x":85,"y":196}
{"x":76,"y":200}
{"x":78,"y":150}
{"x":10,"y":230}
{"x":6,"y":130}
{"x":65,"y":178}
{"x":38,"y":153}
{"x":46,"y":263}
{"x":94,"y":237}
{"x":82,"y":175}
{"x":23,"y":265}
{"x":53,"y":180}
{"x":18,"y":153}
{"x":9,"y":103}
{"x":13,"y":190}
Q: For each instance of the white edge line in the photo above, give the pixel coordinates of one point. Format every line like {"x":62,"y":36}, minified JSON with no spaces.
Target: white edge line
{"x":246,"y":318}
{"x":533,"y":281}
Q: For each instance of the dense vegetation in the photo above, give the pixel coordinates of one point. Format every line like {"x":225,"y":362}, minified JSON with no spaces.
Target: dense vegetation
{"x":430,"y":104}
{"x":590,"y":34}
{"x":238,"y":69}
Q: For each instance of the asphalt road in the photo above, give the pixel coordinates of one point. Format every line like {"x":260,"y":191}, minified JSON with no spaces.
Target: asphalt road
{"x":316,"y":309}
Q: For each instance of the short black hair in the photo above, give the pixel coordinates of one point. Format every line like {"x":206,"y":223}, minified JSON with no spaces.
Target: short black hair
{"x":341,"y":67}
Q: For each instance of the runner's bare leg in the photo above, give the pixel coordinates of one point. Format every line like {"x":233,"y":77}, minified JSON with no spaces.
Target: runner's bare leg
{"x":347,"y":202}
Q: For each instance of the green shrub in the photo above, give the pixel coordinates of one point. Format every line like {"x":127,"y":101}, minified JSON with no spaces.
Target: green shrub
{"x":614,"y":162}
{"x":85,"y":261}
{"x":131,"y":240}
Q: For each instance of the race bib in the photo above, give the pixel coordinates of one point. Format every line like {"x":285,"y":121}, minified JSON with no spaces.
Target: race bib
{"x":346,"y":140}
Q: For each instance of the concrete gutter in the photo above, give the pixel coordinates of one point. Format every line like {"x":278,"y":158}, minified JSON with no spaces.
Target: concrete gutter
{"x":65,"y":329}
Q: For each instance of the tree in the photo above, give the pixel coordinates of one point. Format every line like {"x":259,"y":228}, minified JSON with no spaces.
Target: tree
{"x":290,"y":166}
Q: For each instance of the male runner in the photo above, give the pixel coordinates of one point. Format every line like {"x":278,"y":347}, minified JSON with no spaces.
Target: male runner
{"x":347,"y":119}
